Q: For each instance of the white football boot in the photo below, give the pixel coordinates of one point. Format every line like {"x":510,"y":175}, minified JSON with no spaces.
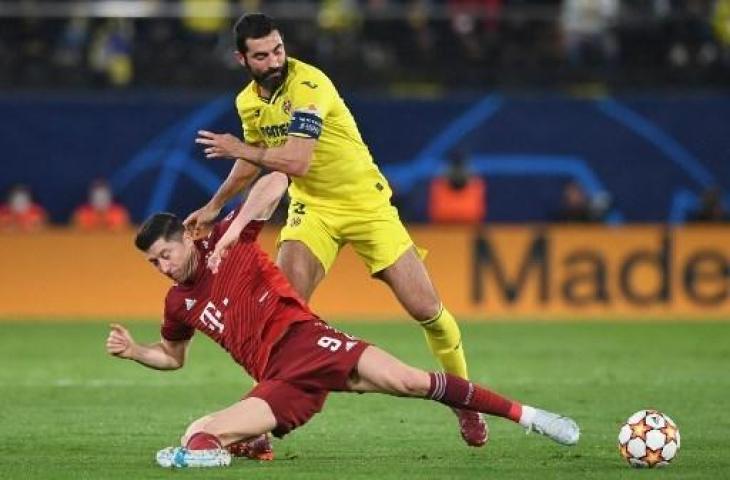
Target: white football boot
{"x":181,"y":457}
{"x":562,"y":430}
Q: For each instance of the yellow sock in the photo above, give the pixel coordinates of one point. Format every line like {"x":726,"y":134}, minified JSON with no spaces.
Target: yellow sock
{"x":444,"y":339}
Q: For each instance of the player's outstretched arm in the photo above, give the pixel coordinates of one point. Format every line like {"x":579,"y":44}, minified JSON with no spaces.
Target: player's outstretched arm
{"x":240,"y":176}
{"x":292,"y":158}
{"x":260,"y":204}
{"x":163,"y":355}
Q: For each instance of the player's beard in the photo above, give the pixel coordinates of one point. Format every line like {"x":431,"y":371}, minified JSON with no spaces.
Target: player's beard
{"x":271,"y":79}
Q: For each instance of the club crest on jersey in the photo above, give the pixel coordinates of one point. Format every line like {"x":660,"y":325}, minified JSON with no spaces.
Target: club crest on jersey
{"x":295,"y":221}
{"x":286,"y":107}
{"x":190,"y":303}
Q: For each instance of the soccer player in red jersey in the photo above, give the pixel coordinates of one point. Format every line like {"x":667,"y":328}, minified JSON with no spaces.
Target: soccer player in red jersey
{"x":227,"y":288}
{"x":294,"y":121}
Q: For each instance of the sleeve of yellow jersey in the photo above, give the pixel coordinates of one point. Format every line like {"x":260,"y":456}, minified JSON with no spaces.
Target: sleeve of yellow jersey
{"x":312,"y":99}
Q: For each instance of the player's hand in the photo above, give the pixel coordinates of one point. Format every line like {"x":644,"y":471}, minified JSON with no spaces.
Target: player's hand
{"x":119,"y":342}
{"x":221,"y":249}
{"x":200,"y":221}
{"x":220,"y":145}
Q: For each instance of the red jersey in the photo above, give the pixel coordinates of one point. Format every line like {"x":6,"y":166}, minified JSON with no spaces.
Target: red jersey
{"x":246,"y":307}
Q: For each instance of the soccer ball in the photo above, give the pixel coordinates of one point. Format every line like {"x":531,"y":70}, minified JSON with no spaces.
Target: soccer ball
{"x":648,"y":439}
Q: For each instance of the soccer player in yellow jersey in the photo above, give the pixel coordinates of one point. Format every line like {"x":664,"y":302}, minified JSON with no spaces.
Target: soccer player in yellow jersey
{"x":295,"y":121}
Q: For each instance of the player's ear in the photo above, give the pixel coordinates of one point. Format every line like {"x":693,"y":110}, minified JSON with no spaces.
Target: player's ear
{"x":240,"y":57}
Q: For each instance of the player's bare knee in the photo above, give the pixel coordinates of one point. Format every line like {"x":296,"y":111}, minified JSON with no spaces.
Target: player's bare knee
{"x":195,"y":427}
{"x":425,"y":309}
{"x":410,"y":382}
{"x":416,"y":382}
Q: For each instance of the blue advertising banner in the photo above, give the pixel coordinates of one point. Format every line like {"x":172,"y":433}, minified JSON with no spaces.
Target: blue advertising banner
{"x":653,"y":154}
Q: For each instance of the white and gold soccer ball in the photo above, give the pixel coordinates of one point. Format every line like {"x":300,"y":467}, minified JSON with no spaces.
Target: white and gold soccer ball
{"x":649,"y":438}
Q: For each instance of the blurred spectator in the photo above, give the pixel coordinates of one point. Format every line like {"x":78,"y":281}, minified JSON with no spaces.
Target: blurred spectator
{"x":111,"y":52}
{"x":587,"y":27}
{"x":338,"y":15}
{"x":422,"y":34}
{"x":721,"y":26}
{"x":466,"y":14}
{"x":692,"y":44}
{"x":711,"y":208}
{"x":206,"y":32}
{"x":465,"y":28}
{"x":205,"y":17}
{"x":458,"y":196}
{"x":574,"y":204}
{"x":20,"y":213}
{"x":186,"y":43}
{"x":577,"y":206}
{"x":71,"y":44}
{"x":101,"y":213}
{"x":339,"y":24}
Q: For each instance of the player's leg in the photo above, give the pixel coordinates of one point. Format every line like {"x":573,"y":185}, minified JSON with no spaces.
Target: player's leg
{"x":256,"y":448}
{"x":303,"y":270}
{"x":195,"y":427}
{"x":409,"y":280}
{"x":383,"y":242}
{"x":206,"y":437}
{"x":246,"y":419}
{"x":411,"y":284}
{"x":378,"y":371}
{"x":307,"y":248}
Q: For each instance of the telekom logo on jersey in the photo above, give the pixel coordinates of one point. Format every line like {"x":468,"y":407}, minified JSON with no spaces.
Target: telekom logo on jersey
{"x":212,"y":317}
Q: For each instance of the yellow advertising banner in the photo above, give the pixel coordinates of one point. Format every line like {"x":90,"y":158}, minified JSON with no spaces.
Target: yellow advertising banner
{"x":496,"y":272}
{"x":601,"y":271}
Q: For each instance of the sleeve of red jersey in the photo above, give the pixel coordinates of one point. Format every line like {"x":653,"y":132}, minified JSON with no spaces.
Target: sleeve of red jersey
{"x":172,"y":328}
{"x":252,"y":230}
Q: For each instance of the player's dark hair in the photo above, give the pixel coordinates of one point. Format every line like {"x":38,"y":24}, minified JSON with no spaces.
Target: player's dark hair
{"x":252,"y":25}
{"x":160,"y":225}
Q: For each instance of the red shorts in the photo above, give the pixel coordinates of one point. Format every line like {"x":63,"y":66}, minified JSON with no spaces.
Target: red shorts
{"x":311,"y":360}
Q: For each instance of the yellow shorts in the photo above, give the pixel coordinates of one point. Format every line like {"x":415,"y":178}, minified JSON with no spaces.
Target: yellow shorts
{"x":378,"y":235}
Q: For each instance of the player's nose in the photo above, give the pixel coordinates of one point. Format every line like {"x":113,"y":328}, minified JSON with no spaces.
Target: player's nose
{"x":275,"y":62}
{"x":165,"y":267}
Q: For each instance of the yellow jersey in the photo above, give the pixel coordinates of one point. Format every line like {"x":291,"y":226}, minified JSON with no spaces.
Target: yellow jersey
{"x":342,"y":172}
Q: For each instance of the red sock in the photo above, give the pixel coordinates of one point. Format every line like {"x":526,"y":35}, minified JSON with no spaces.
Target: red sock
{"x":203,"y":441}
{"x":459,"y":393}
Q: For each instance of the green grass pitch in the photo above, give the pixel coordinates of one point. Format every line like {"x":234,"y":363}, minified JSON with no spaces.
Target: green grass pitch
{"x":67,"y":410}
